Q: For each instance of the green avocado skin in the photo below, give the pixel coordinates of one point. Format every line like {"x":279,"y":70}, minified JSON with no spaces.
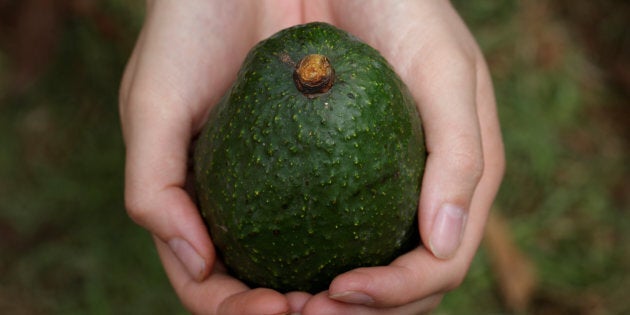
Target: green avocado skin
{"x":297,"y":190}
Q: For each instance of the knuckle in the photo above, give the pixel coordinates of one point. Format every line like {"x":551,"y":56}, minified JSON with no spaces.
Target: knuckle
{"x":137,"y":209}
{"x":468,"y":163}
{"x":456,"y":281}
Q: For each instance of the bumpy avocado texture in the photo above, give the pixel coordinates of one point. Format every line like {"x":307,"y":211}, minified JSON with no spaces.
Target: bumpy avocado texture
{"x":297,"y":188}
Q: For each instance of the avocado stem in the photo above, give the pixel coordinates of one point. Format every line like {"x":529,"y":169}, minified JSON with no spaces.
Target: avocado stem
{"x":313,"y":75}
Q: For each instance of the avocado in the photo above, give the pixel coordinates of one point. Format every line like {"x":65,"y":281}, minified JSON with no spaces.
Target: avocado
{"x":311,"y":164}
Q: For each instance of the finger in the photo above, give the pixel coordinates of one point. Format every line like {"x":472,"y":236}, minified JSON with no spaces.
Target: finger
{"x":412,"y":277}
{"x":447,"y":102}
{"x":155,"y":174}
{"x":297,"y":300}
{"x":255,"y":302}
{"x":322,"y":304}
{"x":220,"y":293}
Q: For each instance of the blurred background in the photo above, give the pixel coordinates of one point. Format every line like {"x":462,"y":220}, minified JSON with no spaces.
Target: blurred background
{"x":557,"y":241}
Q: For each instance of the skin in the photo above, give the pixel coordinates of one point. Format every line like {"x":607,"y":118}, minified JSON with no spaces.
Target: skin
{"x":186,"y":57}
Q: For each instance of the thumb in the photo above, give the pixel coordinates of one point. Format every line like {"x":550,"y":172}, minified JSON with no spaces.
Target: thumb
{"x":157,"y":141}
{"x":455,"y":159}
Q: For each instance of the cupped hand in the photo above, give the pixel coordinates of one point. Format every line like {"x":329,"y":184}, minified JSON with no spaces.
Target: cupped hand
{"x":188,"y":55}
{"x":432,"y":50}
{"x":185,"y":58}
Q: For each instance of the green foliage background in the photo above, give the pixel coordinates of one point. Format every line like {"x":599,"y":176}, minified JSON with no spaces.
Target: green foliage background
{"x":67,"y":246}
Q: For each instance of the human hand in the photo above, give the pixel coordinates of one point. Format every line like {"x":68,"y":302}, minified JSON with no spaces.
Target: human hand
{"x":185,"y":59}
{"x":436,"y":56}
{"x":186,"y":56}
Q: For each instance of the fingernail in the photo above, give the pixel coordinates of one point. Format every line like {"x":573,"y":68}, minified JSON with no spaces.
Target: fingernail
{"x":448,"y":228}
{"x":353,"y":297}
{"x":188,"y":256}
